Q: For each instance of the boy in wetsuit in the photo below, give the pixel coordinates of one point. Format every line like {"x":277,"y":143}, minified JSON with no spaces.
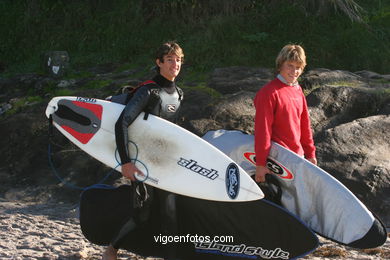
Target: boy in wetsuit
{"x":160,"y":97}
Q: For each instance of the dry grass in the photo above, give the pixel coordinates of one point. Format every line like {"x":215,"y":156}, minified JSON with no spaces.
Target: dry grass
{"x":329,"y":251}
{"x":381,"y":252}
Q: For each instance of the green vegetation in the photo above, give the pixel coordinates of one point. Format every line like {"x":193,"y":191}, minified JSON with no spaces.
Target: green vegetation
{"x":97,"y":84}
{"x":62,"y":92}
{"x":203,"y":88}
{"x":337,"y":34}
{"x":21,"y":103}
{"x":344,"y":84}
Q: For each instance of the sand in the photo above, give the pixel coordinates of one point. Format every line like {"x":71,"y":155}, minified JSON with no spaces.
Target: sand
{"x":36,"y":230}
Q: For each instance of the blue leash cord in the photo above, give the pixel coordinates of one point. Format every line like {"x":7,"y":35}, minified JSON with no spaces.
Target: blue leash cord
{"x":66,"y":183}
{"x":134,"y":160}
{"x":75,"y":187}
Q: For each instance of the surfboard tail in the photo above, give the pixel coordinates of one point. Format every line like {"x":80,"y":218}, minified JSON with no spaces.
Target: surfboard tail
{"x":375,"y":237}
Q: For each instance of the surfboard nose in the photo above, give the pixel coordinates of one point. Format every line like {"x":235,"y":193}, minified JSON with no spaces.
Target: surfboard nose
{"x":52,"y":107}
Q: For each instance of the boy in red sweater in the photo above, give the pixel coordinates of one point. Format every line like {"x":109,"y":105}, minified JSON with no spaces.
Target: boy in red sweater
{"x":281,"y":112}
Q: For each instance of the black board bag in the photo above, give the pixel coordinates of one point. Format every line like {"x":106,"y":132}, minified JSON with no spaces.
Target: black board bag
{"x":252,"y":230}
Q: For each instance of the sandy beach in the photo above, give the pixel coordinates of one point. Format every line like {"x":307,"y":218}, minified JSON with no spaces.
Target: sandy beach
{"x":50,"y":230}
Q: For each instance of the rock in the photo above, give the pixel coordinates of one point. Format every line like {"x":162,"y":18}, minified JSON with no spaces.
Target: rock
{"x":5,"y":86}
{"x":357,"y":153}
{"x":233,"y":79}
{"x":67,"y":83}
{"x":4,"y":108}
{"x":368,"y":74}
{"x":319,"y":77}
{"x":330,"y":106}
{"x":56,"y":63}
{"x":234,"y":111}
{"x":24,"y":147}
{"x":201,"y":126}
{"x":375,"y":80}
{"x":195,"y":105}
{"x":372,"y":75}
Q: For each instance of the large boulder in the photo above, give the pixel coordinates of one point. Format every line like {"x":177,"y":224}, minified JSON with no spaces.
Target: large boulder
{"x":233,"y":111}
{"x":233,"y":79}
{"x":319,"y":77}
{"x":38,"y":160}
{"x":358,"y":154}
{"x":334,"y":105}
{"x":371,"y":76}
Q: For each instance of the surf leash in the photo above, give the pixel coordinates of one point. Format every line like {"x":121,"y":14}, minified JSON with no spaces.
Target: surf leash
{"x":140,"y":195}
{"x":53,"y":168}
{"x":135,"y":161}
{"x":76,"y":187}
{"x":68,"y":184}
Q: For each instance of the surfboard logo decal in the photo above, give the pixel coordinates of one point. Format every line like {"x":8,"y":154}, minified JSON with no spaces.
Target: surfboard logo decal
{"x":275,"y":166}
{"x":240,"y":250}
{"x":250,"y":157}
{"x":232,"y":181}
{"x":193,"y":166}
{"x":279,"y":169}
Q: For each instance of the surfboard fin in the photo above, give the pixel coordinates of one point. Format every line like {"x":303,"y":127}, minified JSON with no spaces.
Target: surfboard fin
{"x":146,"y":115}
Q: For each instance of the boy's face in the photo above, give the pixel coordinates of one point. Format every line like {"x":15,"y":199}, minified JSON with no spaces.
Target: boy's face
{"x":169,"y":66}
{"x":291,"y":70}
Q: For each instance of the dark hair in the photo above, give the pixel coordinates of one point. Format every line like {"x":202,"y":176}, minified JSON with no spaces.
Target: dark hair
{"x":170,"y":47}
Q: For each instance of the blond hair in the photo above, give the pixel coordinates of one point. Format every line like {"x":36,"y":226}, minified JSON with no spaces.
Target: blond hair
{"x":291,"y":52}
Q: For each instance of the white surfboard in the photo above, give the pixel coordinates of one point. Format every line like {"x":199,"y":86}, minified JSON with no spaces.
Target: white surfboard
{"x":171,"y":157}
{"x":316,"y":197}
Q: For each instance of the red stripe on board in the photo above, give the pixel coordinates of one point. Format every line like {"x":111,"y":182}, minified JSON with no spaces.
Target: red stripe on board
{"x":81,"y":137}
{"x":250,"y":157}
{"x":95,"y":108}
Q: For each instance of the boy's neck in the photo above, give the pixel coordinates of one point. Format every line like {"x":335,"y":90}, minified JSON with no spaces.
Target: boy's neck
{"x":280,"y":77}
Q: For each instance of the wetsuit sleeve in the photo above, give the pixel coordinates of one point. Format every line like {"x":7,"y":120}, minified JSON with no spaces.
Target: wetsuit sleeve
{"x":306,"y":132}
{"x":136,"y":105}
{"x":264,"y":103}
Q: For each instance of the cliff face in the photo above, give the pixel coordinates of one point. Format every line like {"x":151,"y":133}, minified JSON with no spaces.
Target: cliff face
{"x":350,"y":114}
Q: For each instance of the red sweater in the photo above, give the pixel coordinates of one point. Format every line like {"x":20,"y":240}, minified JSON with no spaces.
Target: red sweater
{"x":282,"y":116}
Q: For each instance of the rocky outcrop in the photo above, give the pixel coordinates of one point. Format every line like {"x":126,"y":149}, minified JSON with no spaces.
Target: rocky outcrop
{"x":233,"y":79}
{"x":319,"y":77}
{"x":233,"y":111}
{"x":350,"y":114}
{"x":334,"y":105}
{"x":358,"y":154}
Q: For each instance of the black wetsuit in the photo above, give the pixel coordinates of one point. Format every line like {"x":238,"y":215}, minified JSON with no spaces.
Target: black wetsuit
{"x":159,"y":97}
{"x":162,"y":98}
